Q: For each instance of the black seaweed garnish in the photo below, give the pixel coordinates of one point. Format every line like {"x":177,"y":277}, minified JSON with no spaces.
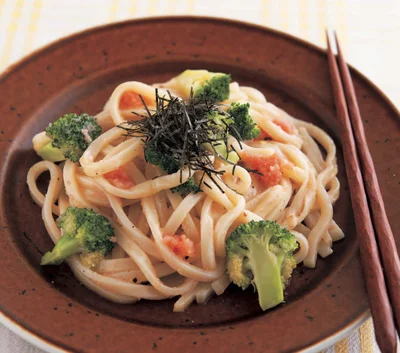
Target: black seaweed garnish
{"x":181,"y":129}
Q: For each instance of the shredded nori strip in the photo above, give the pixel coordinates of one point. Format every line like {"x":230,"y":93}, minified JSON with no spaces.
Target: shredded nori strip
{"x":181,"y":128}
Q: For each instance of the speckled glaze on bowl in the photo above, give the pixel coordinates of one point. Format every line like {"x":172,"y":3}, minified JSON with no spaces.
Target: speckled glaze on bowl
{"x":78,"y":74}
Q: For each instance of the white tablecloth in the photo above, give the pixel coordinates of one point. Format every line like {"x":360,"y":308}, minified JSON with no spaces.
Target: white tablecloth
{"x":369,"y":31}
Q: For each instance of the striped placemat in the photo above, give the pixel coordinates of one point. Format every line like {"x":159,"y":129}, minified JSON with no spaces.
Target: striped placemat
{"x":28,"y":24}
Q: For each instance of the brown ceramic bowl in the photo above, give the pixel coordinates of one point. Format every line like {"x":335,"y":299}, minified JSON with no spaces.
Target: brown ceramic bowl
{"x":78,"y":73}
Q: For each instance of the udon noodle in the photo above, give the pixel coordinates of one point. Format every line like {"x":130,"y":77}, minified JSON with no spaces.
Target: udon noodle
{"x":144,"y":211}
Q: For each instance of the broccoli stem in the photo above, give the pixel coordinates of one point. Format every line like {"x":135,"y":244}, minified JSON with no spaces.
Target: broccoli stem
{"x":266,"y":268}
{"x":50,"y":153}
{"x":64,"y":248}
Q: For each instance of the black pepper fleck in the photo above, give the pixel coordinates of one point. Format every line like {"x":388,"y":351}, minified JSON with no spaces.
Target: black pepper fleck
{"x":202,"y":333}
{"x":194,"y":342}
{"x":105,"y":54}
{"x":55,"y":308}
{"x":78,"y":76}
{"x":70,"y":305}
{"x":309,"y":318}
{"x":154,"y":345}
{"x":333,"y":295}
{"x":12,"y":108}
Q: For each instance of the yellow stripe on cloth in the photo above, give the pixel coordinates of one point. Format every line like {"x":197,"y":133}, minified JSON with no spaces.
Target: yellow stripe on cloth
{"x":11,"y":32}
{"x":33,"y":25}
{"x":342,"y":346}
{"x":265,"y":12}
{"x":342,"y":26}
{"x":133,"y":8}
{"x":152,"y":8}
{"x":2,"y":3}
{"x":284,"y":15}
{"x":304,"y":19}
{"x":366,"y":333}
{"x":190,"y":6}
{"x":114,"y":10}
{"x":172,"y":6}
{"x":321,"y":22}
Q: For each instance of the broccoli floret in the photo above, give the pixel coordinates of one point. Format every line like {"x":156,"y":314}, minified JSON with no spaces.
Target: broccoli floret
{"x":210,"y":86}
{"x":86,"y":232}
{"x":43,"y":146}
{"x":219,"y":131}
{"x":73,"y":133}
{"x":261,"y":253}
{"x":189,"y":186}
{"x":170,"y":165}
{"x":244,"y":123}
{"x":165,"y":161}
{"x":215,"y":89}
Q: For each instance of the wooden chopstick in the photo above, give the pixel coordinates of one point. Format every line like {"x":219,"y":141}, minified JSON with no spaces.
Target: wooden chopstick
{"x":381,"y":310}
{"x":387,"y":245}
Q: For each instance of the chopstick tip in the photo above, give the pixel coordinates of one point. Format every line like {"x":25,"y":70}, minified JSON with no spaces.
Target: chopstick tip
{"x":331,"y":43}
{"x":336,"y":41}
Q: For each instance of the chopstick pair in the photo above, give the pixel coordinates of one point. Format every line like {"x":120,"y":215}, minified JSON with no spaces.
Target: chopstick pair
{"x":379,"y":257}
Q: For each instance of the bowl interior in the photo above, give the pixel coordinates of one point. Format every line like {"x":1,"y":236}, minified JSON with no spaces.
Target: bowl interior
{"x":234,"y":304}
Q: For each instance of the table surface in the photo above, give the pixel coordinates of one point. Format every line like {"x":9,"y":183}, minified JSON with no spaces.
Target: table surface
{"x":368,"y":30}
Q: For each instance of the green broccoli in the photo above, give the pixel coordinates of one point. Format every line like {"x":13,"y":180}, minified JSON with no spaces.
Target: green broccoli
{"x":210,"y":86}
{"x":189,"y":186}
{"x":170,"y":165}
{"x":219,"y":131}
{"x":165,"y":161}
{"x":261,"y":253}
{"x":72,"y":134}
{"x":43,"y":146}
{"x":86,"y":232}
{"x":244,"y":123}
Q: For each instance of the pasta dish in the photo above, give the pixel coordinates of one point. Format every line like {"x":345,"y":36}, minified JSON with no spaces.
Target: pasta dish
{"x":177,"y":189}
